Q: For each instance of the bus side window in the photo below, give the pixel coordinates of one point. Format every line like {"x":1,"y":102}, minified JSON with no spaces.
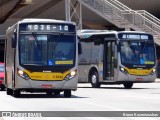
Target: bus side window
{"x":79,"y":48}
{"x":95,"y":53}
{"x":101,"y":52}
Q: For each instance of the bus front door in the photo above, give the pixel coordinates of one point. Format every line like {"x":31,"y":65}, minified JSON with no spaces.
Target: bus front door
{"x":108,"y":60}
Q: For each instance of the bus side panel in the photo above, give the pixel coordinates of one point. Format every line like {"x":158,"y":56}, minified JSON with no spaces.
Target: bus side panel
{"x":10,"y":52}
{"x":34,"y":84}
{"x":97,"y":59}
{"x":85,"y":61}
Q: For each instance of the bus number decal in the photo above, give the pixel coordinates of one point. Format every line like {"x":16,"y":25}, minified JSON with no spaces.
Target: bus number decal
{"x":58,"y":76}
{"x":60,"y":27}
{"x":48,"y":27}
{"x":43,"y":27}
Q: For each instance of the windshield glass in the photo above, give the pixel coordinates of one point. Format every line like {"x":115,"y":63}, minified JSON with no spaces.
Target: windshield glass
{"x":47,"y":50}
{"x":137,"y":53}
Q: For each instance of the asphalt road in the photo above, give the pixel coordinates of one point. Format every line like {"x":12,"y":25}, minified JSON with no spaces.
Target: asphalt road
{"x":142,"y":97}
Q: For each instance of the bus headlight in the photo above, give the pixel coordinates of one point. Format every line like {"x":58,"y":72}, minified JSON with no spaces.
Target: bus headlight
{"x":123,"y":70}
{"x":71,"y":75}
{"x":23,"y":74}
{"x":153,"y":72}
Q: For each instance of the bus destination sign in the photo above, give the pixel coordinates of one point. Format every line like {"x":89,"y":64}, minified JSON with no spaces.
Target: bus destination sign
{"x":127,"y":36}
{"x":47,"y":27}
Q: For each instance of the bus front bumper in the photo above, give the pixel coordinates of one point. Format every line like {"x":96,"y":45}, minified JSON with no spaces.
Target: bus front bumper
{"x":136,"y":78}
{"x":57,"y":85}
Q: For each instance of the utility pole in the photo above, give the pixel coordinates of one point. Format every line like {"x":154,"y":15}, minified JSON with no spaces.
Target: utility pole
{"x":73,"y":11}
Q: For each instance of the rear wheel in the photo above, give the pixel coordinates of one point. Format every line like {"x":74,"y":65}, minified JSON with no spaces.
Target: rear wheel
{"x":67,"y":93}
{"x":9,"y":91}
{"x":94,"y":79}
{"x":128,"y":85}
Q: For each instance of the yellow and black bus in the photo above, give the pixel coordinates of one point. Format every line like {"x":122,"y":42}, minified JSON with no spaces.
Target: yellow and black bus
{"x":41,"y":56}
{"x":111,"y":57}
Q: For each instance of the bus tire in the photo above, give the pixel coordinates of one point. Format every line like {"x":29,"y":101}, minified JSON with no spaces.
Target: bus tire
{"x":3,"y":87}
{"x":67,"y":93}
{"x":9,"y":91}
{"x":49,"y":92}
{"x":94,"y":79}
{"x":128,"y":85}
{"x":16,"y":93}
{"x":56,"y":93}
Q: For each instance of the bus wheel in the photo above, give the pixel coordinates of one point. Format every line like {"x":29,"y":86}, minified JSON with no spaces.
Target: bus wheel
{"x":3,"y":87}
{"x":16,"y":93}
{"x":93,"y":78}
{"x":67,"y":93}
{"x":9,"y":91}
{"x":49,"y":92}
{"x":128,"y":85}
{"x":57,"y":93}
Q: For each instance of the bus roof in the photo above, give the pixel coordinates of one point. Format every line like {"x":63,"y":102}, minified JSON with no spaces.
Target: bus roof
{"x":34,"y":20}
{"x":88,"y":33}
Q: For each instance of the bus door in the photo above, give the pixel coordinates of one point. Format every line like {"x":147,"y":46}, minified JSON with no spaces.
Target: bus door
{"x":109,"y":60}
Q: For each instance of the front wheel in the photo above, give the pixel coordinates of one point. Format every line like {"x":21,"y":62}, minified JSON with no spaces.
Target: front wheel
{"x":49,"y":92}
{"x":56,"y":93}
{"x":16,"y":93}
{"x":9,"y":91}
{"x":67,"y":93}
{"x":3,"y":87}
{"x":128,"y":85}
{"x":94,"y":79}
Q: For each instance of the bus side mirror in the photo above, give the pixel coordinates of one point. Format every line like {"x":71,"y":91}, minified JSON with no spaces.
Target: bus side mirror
{"x":79,"y":48}
{"x":14,"y":40}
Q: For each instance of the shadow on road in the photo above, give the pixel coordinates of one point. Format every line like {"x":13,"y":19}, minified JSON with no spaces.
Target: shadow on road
{"x":115,"y":88}
{"x":45,"y":96}
{"x":122,"y":88}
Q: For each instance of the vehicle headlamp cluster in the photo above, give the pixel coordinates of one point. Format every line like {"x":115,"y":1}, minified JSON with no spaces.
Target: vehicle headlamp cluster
{"x":23,"y":74}
{"x":153,"y":72}
{"x":71,"y":75}
{"x":123,"y":70}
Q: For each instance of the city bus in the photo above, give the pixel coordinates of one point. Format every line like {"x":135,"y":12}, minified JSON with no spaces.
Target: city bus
{"x":41,"y":56}
{"x":111,"y":57}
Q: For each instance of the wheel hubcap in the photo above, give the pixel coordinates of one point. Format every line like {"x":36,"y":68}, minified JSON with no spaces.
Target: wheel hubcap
{"x":94,"y":78}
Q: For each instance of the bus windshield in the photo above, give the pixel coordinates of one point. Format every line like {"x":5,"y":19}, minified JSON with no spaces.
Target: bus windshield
{"x":47,"y":49}
{"x":137,"y":53}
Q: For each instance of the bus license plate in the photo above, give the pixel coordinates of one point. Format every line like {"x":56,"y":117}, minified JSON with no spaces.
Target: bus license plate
{"x":46,"y":86}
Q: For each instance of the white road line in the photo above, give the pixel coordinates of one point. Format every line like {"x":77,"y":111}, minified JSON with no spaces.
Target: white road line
{"x":98,"y":105}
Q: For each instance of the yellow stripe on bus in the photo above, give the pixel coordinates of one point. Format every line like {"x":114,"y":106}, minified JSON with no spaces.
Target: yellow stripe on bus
{"x":50,"y":76}
{"x":138,"y":72}
{"x":63,"y":62}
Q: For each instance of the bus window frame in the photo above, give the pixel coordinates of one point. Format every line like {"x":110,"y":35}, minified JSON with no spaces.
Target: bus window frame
{"x":14,"y":39}
{"x":138,"y":40}
{"x":57,"y":68}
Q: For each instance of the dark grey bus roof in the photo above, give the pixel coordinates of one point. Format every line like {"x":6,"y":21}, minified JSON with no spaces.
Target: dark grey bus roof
{"x":88,"y":33}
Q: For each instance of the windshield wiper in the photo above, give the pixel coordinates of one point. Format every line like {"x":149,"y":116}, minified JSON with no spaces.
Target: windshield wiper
{"x":37,"y":42}
{"x":145,"y":42}
{"x":56,"y":41}
{"x":33,"y":64}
